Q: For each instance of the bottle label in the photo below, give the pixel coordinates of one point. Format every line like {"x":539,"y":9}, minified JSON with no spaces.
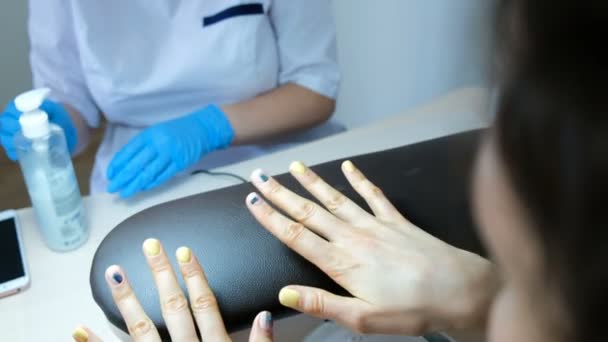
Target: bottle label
{"x":68,"y":204}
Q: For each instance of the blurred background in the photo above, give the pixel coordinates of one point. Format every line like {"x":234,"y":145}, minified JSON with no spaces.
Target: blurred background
{"x":394,"y":54}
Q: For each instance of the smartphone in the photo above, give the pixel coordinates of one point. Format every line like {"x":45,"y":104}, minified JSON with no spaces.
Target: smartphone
{"x":14,"y":276}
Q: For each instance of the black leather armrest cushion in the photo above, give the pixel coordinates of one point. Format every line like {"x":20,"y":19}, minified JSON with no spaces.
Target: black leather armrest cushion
{"x":246,"y":266}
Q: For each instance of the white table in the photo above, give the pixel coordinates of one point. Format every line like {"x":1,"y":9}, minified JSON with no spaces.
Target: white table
{"x":60,"y":297}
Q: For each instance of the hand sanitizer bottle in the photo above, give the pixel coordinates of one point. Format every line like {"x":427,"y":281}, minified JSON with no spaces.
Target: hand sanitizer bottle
{"x":49,"y":175}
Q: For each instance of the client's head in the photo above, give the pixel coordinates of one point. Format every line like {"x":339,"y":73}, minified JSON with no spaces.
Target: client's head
{"x":542,"y":174}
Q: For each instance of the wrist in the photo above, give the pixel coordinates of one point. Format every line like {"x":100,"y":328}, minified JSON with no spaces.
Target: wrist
{"x":470,"y":308}
{"x":216,"y":126}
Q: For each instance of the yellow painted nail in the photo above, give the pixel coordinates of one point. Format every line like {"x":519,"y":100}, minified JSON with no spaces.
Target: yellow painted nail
{"x":297,"y":167}
{"x":289,"y":298}
{"x":152,"y":247}
{"x":80,"y":335}
{"x":184,"y":255}
{"x":349,"y":166}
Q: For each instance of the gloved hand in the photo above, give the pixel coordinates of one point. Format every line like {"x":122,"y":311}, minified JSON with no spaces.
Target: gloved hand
{"x":9,"y":125}
{"x":167,"y":148}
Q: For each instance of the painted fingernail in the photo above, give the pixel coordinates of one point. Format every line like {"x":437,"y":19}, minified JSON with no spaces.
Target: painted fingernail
{"x":266,"y":321}
{"x":114,"y":275}
{"x":80,"y":335}
{"x":297,"y":167}
{"x":152,"y":247}
{"x":289,"y":298}
{"x":349,"y":166}
{"x":184,"y":255}
{"x":117,"y":277}
{"x":254,"y":199}
{"x":259,"y":175}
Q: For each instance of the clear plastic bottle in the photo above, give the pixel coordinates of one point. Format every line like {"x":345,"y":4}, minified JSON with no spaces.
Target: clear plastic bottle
{"x":49,"y":175}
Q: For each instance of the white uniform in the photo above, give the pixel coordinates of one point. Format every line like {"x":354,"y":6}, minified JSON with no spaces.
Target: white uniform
{"x":141,"y":62}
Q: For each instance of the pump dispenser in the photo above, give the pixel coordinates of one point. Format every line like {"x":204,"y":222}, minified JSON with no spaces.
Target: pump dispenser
{"x":34,"y":122}
{"x":49,"y":174}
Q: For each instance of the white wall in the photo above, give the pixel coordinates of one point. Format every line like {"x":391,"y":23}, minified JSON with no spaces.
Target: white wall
{"x":15,"y":74}
{"x":395,"y":54}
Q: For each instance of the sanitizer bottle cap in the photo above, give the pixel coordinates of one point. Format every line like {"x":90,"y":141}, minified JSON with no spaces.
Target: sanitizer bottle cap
{"x":34,"y":122}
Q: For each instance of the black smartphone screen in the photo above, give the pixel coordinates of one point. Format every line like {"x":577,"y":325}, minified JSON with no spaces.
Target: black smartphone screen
{"x":11,"y":265}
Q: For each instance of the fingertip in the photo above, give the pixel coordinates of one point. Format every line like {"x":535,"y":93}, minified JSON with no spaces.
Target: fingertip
{"x":130,"y":190}
{"x":253,"y":199}
{"x":112,"y":188}
{"x":114,"y":275}
{"x":265,"y":322}
{"x":348,"y":166}
{"x":259,"y":176}
{"x":255,"y":174}
{"x":297,"y":167}
{"x":151,"y":247}
{"x":80,"y":334}
{"x":289,"y":297}
{"x":183,"y":255}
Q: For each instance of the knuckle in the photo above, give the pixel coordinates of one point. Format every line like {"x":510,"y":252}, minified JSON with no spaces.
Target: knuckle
{"x":204,"y":303}
{"x":376,"y":191}
{"x":335,"y":202}
{"x":305,"y":212}
{"x":415,"y":325}
{"x":372,"y":189}
{"x":337,"y":268}
{"x":190,"y":271}
{"x":418,"y":327}
{"x":174,"y":303}
{"x":293,"y":232}
{"x":269,"y":211}
{"x":361,"y":323}
{"x":315,"y":304}
{"x":123,"y":295}
{"x":274,"y":188}
{"x":159,"y":266}
{"x":140,"y":328}
{"x":312,"y":179}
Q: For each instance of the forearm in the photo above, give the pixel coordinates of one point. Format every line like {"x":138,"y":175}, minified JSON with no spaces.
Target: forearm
{"x":83,"y":132}
{"x":283,"y":110}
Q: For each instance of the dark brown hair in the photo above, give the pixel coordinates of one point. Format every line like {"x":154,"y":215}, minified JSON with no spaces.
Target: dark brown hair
{"x":552,"y":135}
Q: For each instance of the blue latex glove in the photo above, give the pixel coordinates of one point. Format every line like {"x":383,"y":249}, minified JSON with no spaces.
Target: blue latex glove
{"x":165,"y":149}
{"x":9,"y":125}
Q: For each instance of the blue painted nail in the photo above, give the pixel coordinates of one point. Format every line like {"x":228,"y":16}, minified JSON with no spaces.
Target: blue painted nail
{"x":267,"y":321}
{"x":117,"y":277}
{"x":259,"y":176}
{"x":254,"y":199}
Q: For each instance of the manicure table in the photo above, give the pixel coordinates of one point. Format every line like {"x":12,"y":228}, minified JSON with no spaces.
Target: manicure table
{"x":60,"y":296}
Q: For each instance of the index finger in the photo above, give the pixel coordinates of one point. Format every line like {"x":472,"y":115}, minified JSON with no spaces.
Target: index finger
{"x":139,"y":325}
{"x":295,"y":235}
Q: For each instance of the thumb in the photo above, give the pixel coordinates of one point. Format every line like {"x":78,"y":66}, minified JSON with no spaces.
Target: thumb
{"x":347,"y":311}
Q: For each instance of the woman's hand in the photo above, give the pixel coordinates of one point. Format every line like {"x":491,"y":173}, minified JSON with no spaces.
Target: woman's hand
{"x":403,"y":280}
{"x":174,"y":305}
{"x":167,"y":148}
